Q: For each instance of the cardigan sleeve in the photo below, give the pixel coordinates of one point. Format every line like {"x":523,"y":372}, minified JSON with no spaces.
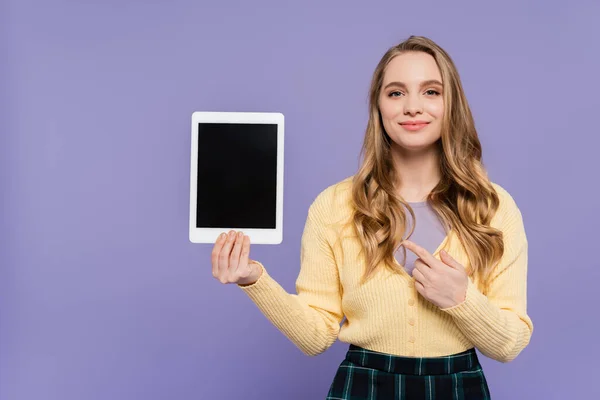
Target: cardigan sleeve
{"x":311,"y":317}
{"x":497,"y":323}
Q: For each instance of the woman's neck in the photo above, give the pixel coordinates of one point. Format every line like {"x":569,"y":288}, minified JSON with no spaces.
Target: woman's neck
{"x":418,"y":172}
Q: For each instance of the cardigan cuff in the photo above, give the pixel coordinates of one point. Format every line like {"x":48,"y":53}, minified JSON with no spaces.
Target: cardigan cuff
{"x":474,"y":302}
{"x":257,"y":283}
{"x":265,"y":290}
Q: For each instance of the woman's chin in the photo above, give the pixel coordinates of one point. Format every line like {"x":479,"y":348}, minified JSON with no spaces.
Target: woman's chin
{"x":414,"y":143}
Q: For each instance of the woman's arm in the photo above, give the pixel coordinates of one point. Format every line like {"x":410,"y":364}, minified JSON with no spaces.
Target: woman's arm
{"x":311,"y":318}
{"x":497,"y":323}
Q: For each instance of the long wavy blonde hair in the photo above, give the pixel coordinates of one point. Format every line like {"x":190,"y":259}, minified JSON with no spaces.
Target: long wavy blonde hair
{"x":464,"y":199}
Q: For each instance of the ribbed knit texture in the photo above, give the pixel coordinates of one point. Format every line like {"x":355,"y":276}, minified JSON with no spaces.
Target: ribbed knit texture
{"x":387,"y":314}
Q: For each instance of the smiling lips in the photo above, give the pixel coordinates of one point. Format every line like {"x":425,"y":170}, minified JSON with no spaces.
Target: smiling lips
{"x":413,"y":125}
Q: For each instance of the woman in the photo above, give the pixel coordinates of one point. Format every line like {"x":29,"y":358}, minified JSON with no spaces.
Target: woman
{"x":415,"y":310}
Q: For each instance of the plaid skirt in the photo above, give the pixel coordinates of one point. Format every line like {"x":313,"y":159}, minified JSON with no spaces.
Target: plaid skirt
{"x":366,"y":374}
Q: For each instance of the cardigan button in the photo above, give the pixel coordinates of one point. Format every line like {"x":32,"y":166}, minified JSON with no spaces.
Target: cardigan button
{"x":411,"y":302}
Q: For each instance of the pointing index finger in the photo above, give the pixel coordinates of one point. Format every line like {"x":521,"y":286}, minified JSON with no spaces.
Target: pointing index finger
{"x":423,"y":254}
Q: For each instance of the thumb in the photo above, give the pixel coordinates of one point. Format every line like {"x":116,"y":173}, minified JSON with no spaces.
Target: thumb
{"x":448,"y":260}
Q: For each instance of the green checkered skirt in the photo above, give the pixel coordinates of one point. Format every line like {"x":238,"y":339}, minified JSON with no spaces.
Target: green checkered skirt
{"x":366,"y":374}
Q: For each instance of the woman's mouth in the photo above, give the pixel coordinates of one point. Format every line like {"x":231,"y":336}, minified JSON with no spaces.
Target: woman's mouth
{"x":414,"y":125}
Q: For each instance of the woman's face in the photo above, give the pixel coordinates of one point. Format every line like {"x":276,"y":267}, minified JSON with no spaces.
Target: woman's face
{"x":411,"y":102}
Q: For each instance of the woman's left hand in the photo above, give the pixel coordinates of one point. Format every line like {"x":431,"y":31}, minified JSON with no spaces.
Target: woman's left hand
{"x":443,"y":283}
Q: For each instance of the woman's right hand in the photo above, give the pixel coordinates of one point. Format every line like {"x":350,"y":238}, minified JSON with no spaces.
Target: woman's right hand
{"x":231,"y":262}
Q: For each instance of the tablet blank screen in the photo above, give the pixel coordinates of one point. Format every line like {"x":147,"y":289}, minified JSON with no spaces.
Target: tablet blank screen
{"x":237,"y":175}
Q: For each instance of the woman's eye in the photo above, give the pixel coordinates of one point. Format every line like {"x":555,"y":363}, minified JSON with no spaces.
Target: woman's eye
{"x":433,"y":92}
{"x":394,"y":94}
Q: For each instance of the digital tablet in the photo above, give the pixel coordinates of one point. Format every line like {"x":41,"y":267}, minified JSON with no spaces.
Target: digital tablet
{"x":237,"y":176}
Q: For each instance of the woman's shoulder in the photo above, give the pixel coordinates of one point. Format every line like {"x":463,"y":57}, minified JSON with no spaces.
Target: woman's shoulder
{"x":508,"y":210}
{"x":335,"y":200}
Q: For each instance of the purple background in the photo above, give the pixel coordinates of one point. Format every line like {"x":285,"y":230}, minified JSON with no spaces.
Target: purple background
{"x":103,"y":296}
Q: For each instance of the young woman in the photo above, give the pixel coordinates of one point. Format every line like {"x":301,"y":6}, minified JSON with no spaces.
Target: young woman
{"x":423,"y":255}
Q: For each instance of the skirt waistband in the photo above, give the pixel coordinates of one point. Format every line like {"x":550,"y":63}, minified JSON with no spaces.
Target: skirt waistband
{"x":455,"y":363}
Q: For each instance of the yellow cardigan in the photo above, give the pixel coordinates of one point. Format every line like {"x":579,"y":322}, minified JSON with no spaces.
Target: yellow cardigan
{"x":387,"y":314}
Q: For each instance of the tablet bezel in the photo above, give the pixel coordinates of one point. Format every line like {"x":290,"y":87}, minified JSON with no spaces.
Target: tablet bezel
{"x":257,"y":236}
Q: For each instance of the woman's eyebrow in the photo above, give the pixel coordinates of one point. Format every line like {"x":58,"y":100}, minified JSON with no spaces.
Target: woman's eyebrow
{"x":424,"y":83}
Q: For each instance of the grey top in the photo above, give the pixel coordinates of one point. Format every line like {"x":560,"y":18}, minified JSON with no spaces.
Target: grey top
{"x":429,"y":233}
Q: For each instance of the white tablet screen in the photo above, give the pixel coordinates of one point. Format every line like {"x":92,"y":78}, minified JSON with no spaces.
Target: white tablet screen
{"x":237,"y":175}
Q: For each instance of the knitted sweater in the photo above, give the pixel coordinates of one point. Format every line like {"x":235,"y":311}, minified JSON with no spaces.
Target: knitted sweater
{"x":387,"y":314}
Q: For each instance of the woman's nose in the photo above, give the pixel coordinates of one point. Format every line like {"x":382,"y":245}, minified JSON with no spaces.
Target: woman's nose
{"x":413,"y":105}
